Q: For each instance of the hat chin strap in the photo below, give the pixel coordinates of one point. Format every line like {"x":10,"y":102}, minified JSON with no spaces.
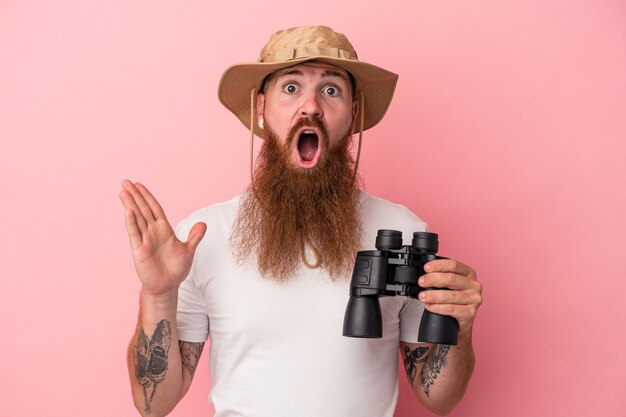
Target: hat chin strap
{"x":252,"y":97}
{"x":252,"y":110}
{"x":361,"y":121}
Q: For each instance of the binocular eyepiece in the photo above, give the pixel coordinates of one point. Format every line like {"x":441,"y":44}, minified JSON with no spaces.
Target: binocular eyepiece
{"x":393,"y":269}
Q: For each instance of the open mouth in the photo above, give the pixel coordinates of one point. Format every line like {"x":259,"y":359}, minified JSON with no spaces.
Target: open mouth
{"x":308,"y":148}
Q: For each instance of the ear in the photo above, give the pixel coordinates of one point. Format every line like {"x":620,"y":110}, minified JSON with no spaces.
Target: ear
{"x":260,"y":105}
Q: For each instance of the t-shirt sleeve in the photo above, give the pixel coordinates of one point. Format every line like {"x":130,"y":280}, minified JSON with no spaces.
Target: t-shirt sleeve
{"x":410,"y":317}
{"x":191,"y":316}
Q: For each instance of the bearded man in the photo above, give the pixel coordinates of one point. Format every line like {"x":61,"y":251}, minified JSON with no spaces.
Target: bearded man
{"x":270,"y":282}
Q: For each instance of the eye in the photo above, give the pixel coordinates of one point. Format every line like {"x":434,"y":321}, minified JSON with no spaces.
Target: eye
{"x":331,"y":90}
{"x":290,"y":88}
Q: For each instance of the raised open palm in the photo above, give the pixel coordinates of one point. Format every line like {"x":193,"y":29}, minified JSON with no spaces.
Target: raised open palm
{"x":161,"y":260}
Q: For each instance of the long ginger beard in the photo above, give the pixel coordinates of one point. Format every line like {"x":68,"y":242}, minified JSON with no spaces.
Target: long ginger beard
{"x":291,"y":214}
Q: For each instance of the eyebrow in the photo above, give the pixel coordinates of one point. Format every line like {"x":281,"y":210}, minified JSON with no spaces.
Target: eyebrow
{"x":325,"y":73}
{"x":333,"y":73}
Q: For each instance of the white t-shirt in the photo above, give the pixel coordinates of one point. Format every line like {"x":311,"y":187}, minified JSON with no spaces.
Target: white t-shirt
{"x":277,"y":349}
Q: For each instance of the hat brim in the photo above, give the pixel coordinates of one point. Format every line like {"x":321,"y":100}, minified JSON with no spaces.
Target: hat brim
{"x":377,"y":85}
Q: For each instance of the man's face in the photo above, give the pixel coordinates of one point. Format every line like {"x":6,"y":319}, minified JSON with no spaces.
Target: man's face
{"x":311,"y":91}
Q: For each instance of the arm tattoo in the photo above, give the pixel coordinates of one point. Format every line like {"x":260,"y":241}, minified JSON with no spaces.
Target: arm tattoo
{"x":432,"y":368}
{"x":190,"y":355}
{"x":412,"y":357}
{"x":151,"y":359}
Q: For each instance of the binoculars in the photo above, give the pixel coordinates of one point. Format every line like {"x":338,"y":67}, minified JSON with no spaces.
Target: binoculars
{"x":393,"y":269}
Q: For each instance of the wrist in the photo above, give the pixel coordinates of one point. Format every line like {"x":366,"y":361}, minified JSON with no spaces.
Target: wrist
{"x":159,"y":302}
{"x":465,"y":335}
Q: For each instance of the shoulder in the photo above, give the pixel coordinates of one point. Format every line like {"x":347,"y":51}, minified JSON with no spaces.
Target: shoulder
{"x":378,"y":209}
{"x":217,"y":216}
{"x":383,"y":214}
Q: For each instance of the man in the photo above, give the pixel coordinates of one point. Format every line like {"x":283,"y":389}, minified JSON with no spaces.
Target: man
{"x":270,"y":282}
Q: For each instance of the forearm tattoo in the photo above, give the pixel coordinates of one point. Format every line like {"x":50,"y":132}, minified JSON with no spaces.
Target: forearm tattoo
{"x":151,"y":359}
{"x":411,"y":358}
{"x":190,"y":355}
{"x":432,"y":368}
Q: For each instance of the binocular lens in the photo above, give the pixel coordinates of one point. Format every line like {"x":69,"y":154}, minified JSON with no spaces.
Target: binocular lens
{"x":388,"y":239}
{"x":426,"y":242}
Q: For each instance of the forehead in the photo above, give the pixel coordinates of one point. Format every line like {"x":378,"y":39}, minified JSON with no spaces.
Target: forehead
{"x":326,"y":70}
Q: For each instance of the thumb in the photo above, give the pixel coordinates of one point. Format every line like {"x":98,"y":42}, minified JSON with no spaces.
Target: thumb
{"x":195,"y":235}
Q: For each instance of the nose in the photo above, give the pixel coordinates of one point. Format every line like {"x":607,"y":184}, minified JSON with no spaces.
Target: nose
{"x":311,"y":106}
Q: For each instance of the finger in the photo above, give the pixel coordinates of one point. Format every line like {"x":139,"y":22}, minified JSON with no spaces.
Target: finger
{"x":450,"y":297}
{"x":133,"y":230}
{"x":448,"y":265}
{"x":448,"y":280}
{"x":140,"y":201}
{"x":129,"y":203}
{"x":195,"y":235}
{"x":154,"y":205}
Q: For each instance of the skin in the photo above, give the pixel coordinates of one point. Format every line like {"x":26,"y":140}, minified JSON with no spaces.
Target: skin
{"x":162,"y":262}
{"x":438,"y":374}
{"x":312,"y":89}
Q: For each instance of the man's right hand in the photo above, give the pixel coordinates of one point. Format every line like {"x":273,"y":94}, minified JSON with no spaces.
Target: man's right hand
{"x":161,"y":260}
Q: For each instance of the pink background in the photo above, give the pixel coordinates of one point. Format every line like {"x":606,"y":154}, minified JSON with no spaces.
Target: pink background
{"x":506,"y":135}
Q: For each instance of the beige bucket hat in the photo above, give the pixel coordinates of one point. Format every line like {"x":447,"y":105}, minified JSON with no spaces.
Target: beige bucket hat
{"x":296,"y":45}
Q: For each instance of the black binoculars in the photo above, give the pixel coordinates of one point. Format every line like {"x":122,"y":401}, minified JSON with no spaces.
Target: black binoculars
{"x":393,"y":269}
